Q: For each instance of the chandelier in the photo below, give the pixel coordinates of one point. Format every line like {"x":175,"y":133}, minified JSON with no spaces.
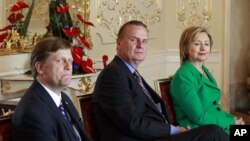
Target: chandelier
{"x":194,"y":12}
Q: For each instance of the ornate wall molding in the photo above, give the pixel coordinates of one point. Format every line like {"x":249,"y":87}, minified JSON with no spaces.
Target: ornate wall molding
{"x":40,"y":21}
{"x":194,"y":12}
{"x":111,"y":14}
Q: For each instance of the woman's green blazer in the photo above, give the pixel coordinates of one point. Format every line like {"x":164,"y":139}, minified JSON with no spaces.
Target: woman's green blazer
{"x":196,"y":98}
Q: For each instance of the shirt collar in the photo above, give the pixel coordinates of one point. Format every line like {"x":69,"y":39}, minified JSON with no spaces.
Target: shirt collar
{"x":56,"y":98}
{"x":131,"y":68}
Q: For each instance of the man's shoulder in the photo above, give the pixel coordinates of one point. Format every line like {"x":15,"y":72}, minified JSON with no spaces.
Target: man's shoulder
{"x":114,"y":67}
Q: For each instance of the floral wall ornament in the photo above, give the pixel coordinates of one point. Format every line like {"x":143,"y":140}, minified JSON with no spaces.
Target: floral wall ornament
{"x":194,"y":12}
{"x":112,"y":14}
{"x":85,"y":84}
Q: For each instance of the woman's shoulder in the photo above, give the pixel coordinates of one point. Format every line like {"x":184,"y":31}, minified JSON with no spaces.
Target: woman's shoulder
{"x":187,"y":72}
{"x":184,"y":70}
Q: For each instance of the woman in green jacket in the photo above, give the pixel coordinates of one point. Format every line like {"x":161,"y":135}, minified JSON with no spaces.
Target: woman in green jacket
{"x":194,"y":91}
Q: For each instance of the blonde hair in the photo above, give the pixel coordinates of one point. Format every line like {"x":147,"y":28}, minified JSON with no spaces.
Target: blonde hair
{"x":187,"y":37}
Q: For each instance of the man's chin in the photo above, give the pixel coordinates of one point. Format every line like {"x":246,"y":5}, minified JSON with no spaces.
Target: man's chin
{"x":66,"y":80}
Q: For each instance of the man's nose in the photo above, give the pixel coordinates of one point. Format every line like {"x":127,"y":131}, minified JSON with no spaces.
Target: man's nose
{"x":68,"y":64}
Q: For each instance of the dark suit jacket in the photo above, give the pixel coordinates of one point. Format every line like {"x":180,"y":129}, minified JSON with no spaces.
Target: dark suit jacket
{"x":37,"y":118}
{"x":123,"y":112}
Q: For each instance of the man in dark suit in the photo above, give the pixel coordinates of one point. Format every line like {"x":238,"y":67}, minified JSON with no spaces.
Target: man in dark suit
{"x":127,"y":108}
{"x":37,"y":116}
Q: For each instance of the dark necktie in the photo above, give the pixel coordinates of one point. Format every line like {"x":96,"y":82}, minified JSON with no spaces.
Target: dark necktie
{"x":69,"y":124}
{"x":145,"y":90}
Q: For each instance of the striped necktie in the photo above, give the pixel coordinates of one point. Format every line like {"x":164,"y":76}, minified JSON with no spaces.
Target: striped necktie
{"x":69,"y":124}
{"x":145,"y":90}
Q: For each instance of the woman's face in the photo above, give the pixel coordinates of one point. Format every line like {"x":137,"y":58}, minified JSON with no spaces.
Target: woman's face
{"x":199,"y":49}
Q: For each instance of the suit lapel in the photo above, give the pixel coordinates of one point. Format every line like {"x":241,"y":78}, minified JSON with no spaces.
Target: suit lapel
{"x":75,"y":119}
{"x":154,"y":96}
{"x":210,"y":81}
{"x":70,"y":110}
{"x":72,"y":116}
{"x":136,"y":88}
{"x":45,"y":97}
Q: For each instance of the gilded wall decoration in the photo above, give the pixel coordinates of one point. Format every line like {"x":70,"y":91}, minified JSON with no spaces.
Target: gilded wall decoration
{"x":40,"y":21}
{"x":111,"y":14}
{"x":194,"y":12}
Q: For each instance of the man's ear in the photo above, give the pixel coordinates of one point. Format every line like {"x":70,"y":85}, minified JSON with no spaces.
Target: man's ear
{"x":117,"y":44}
{"x":39,"y":67}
